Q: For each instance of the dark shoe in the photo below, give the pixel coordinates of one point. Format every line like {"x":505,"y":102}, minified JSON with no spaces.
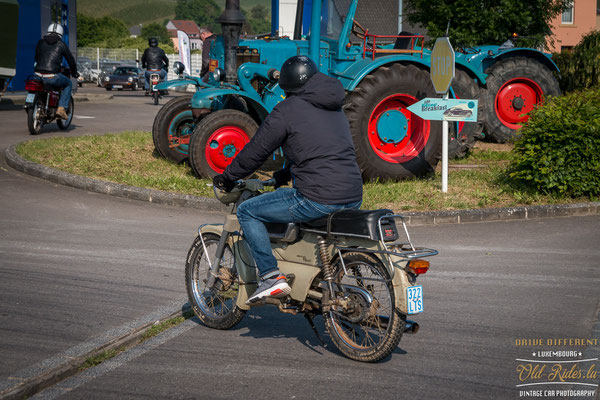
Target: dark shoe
{"x":273,"y":287}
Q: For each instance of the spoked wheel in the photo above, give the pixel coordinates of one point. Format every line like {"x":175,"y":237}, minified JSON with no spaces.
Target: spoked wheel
{"x":217,"y":139}
{"x":392,"y":142}
{"x":514,"y":87}
{"x":65,"y":123}
{"x":216,"y":307}
{"x":173,"y":127}
{"x":35,"y":119}
{"x":362,"y":331}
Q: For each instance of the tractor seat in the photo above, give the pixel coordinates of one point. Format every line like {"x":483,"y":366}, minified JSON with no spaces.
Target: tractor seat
{"x":355,"y":222}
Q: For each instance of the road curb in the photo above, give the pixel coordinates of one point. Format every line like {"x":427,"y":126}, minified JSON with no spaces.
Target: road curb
{"x":32,"y":380}
{"x":114,"y":189}
{"x":203,"y":203}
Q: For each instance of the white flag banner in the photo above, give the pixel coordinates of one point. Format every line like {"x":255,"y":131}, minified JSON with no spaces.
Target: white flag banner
{"x":184,"y":51}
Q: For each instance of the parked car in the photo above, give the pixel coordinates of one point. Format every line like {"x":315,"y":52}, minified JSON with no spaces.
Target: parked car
{"x":125,"y":77}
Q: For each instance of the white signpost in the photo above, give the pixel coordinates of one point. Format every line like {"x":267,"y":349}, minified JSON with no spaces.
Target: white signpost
{"x":442,"y":73}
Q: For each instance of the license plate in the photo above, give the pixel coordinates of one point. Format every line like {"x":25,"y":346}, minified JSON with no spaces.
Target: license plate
{"x":414,"y":299}
{"x":118,"y":86}
{"x":30,"y":97}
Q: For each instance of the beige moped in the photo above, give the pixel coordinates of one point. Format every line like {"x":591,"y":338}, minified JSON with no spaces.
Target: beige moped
{"x":353,"y":267}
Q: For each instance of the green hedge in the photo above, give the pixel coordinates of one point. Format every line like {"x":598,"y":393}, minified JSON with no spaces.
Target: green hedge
{"x":559,"y":147}
{"x":580,"y":68}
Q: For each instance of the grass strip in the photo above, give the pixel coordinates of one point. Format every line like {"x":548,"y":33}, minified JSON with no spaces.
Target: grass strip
{"x":129,"y":158}
{"x":150,"y":332}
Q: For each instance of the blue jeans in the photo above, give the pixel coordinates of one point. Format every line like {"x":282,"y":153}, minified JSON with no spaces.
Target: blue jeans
{"x":162,"y":73}
{"x":284,"y":205}
{"x":66,"y":86}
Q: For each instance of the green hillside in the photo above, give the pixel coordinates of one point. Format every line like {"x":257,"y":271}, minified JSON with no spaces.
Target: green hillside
{"x":133,"y":12}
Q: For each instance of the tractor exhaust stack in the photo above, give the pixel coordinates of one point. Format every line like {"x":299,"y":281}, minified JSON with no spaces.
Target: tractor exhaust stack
{"x":231,"y":22}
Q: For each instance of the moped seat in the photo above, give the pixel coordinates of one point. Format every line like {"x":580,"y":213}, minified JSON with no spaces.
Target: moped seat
{"x":355,"y":222}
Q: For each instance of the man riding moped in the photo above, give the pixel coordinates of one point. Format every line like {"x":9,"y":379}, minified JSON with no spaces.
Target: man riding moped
{"x":154,"y":60}
{"x":311,"y":128}
{"x":49,"y":54}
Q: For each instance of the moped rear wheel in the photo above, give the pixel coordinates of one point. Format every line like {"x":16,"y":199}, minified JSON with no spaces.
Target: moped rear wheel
{"x":65,"y":123}
{"x":215,"y":307}
{"x":35,"y":120}
{"x":364,"y":332}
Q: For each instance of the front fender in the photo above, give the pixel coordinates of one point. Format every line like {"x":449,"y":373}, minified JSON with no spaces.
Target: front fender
{"x":214,"y":99}
{"x":243,"y":253}
{"x":180,"y":82}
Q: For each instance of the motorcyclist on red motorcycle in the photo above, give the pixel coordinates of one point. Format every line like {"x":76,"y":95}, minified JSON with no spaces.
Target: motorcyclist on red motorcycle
{"x":49,"y":54}
{"x":154,"y":60}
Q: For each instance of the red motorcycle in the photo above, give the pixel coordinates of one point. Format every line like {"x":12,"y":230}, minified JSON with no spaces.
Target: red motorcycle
{"x":41,"y":104}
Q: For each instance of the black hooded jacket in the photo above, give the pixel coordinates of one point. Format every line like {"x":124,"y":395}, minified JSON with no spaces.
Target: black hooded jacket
{"x":155,"y":58}
{"x":49,"y":54}
{"x":315,"y":136}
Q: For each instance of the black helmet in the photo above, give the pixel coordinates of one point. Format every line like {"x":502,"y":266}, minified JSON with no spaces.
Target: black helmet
{"x":152,"y":42}
{"x":295,"y":72}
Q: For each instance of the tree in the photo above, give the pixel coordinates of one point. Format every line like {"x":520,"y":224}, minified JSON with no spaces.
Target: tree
{"x":94,"y":30}
{"x":203,"y":12}
{"x":156,"y":30}
{"x":474,"y":22}
{"x":259,"y":12}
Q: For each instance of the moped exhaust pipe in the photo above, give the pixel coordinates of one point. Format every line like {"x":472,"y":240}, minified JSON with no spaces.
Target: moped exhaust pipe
{"x":411,"y":327}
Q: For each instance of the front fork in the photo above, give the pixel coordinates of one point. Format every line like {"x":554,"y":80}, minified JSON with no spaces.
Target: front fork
{"x":213,"y":271}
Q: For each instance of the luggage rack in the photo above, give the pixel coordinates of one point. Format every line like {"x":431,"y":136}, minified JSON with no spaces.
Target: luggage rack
{"x":407,"y":250}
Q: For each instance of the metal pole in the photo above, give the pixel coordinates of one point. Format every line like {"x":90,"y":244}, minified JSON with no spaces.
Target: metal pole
{"x":399,"y":15}
{"x":445,"y":153}
{"x":98,"y":57}
{"x":315,"y":32}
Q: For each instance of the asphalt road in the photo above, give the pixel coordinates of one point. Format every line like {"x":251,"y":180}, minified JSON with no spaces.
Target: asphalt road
{"x":74,"y":265}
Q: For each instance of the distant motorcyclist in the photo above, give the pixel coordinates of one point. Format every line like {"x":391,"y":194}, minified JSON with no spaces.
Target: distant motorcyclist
{"x":154,"y":60}
{"x":49,"y":54}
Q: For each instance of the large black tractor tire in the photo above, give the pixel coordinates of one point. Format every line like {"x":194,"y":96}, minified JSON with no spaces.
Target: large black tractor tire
{"x":217,"y":139}
{"x":465,"y":133}
{"x":514,"y":86}
{"x":173,"y":127}
{"x":377,"y":107}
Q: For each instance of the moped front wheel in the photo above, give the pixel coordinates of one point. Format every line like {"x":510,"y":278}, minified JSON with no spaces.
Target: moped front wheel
{"x":364,"y":323}
{"x":215,"y":307}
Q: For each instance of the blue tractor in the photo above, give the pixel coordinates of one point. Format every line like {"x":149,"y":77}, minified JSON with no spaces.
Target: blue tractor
{"x":382,"y":75}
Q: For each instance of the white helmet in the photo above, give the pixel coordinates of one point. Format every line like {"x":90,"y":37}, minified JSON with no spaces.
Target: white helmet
{"x":56,"y":28}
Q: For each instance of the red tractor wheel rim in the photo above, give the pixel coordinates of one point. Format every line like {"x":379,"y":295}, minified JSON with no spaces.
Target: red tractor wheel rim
{"x":223,"y":145}
{"x":515,"y":99}
{"x":414,"y":132}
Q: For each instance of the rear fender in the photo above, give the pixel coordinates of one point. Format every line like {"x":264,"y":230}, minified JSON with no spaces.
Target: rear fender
{"x":357,"y":71}
{"x":542,"y":58}
{"x":393,"y":264}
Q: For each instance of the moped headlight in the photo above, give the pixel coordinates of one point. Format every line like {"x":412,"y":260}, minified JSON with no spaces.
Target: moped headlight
{"x":130,"y":79}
